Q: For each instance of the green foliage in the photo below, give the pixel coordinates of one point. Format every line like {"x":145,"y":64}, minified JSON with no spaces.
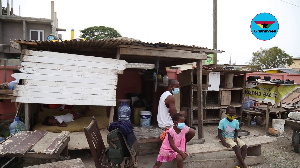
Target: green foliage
{"x":99,"y":33}
{"x":4,"y":130}
{"x":269,"y":58}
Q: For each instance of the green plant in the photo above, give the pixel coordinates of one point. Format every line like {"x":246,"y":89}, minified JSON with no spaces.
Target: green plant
{"x":4,"y":130}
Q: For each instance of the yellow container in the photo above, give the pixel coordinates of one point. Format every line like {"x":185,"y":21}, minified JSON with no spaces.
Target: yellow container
{"x":272,"y":71}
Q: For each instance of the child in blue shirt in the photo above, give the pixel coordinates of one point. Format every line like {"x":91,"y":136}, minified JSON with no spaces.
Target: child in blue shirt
{"x":228,"y":134}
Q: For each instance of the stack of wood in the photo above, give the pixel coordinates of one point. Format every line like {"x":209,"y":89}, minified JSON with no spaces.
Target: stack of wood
{"x":4,"y":86}
{"x":5,"y":93}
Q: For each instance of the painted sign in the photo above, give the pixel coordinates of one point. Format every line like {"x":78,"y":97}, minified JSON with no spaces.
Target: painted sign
{"x":273,"y":93}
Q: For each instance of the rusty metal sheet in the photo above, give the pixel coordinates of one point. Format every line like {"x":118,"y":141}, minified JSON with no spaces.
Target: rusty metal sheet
{"x":11,"y":142}
{"x":28,"y":142}
{"x":55,"y":145}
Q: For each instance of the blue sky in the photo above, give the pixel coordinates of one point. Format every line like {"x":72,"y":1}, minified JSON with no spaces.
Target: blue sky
{"x":178,"y":22}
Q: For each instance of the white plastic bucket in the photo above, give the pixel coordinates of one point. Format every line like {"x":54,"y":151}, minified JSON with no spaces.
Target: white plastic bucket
{"x":145,"y":118}
{"x":278,"y":124}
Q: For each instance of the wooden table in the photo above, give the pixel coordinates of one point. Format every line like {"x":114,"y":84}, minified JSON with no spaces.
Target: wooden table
{"x":256,"y":113}
{"x":264,"y":111}
{"x":37,"y":144}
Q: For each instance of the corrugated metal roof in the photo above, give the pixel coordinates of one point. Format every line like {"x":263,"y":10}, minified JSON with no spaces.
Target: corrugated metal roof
{"x":169,"y":54}
{"x":290,"y":71}
{"x":113,"y":43}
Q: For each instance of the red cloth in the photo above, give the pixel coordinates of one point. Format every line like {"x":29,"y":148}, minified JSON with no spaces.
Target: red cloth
{"x":163,"y":134}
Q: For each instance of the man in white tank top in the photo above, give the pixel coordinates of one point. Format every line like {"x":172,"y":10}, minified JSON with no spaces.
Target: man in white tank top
{"x":166,"y":108}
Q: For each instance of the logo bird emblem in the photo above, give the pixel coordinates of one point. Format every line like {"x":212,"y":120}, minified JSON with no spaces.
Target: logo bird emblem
{"x":264,"y":24}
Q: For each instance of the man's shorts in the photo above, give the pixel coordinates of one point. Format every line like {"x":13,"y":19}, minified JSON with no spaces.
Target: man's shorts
{"x":231,"y":142}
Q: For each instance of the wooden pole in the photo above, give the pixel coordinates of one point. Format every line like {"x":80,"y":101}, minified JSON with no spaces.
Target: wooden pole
{"x":118,"y":54}
{"x":111,"y":114}
{"x":200,"y":99}
{"x":0,"y":7}
{"x":27,"y":119}
{"x":267,"y":115}
{"x":215,"y":31}
{"x":5,"y":66}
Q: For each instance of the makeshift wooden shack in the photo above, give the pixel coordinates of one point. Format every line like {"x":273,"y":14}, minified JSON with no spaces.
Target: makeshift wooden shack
{"x":88,"y":72}
{"x":221,"y":88}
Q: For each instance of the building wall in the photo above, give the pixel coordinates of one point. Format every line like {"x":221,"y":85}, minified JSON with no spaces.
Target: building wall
{"x":1,"y":36}
{"x":129,"y":82}
{"x":7,"y":107}
{"x":33,"y":26}
{"x":11,"y":31}
{"x":14,"y":30}
{"x":296,"y":64}
{"x":281,"y":76}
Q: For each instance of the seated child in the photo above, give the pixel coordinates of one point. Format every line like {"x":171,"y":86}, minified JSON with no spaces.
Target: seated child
{"x":173,"y":145}
{"x":62,"y":120}
{"x":228,"y":134}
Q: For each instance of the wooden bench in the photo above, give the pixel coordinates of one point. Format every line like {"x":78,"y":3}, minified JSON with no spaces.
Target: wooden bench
{"x":37,"y":144}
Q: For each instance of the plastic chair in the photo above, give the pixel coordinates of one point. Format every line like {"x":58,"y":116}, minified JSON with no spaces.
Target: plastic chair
{"x":97,"y":147}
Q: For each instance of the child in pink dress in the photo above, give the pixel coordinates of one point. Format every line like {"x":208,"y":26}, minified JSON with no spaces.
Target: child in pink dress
{"x":173,"y":146}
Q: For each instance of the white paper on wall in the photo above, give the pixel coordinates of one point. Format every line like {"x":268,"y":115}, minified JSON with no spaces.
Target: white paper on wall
{"x":214,"y":81}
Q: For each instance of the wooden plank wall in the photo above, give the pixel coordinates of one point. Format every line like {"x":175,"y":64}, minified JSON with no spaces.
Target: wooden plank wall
{"x":60,"y":78}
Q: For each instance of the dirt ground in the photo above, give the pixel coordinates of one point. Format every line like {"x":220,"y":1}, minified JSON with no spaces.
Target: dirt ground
{"x":279,"y":154}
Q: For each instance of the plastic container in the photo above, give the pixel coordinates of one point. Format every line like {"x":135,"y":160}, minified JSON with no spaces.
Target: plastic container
{"x":278,"y":124}
{"x":145,"y":118}
{"x":294,"y":115}
{"x":124,"y":112}
{"x":12,"y":84}
{"x":16,"y":126}
{"x":136,"y":114}
{"x":253,"y":123}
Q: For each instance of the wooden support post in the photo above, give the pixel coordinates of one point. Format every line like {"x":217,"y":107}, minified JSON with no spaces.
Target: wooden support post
{"x":199,"y":99}
{"x":4,"y":72}
{"x":215,"y":31}
{"x":248,"y":119}
{"x":118,"y":54}
{"x":27,"y":118}
{"x":111,"y":114}
{"x":191,"y":112}
{"x":267,"y":115}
